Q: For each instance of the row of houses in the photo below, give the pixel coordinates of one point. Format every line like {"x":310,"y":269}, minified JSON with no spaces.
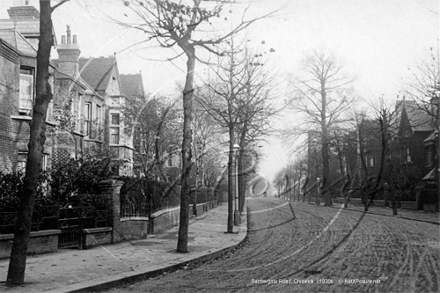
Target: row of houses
{"x":86,"y":114}
{"x":412,"y":154}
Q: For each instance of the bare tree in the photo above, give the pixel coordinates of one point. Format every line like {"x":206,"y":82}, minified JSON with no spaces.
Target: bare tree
{"x":254,"y":117}
{"x":174,"y":24}
{"x":17,"y":263}
{"x":426,"y":82}
{"x":206,"y":133}
{"x":322,"y":93}
{"x":156,"y":129}
{"x":238,"y":98}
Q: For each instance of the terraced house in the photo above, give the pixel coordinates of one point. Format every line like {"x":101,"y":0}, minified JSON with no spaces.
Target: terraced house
{"x":86,"y":116}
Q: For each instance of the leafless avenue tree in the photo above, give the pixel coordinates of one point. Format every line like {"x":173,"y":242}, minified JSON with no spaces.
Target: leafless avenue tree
{"x":17,"y":263}
{"x":187,"y":25}
{"x":239,"y":99}
{"x":322,"y":94}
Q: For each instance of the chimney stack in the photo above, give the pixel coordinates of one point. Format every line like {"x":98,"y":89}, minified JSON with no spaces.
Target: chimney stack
{"x":68,"y":54}
{"x":23,"y":12}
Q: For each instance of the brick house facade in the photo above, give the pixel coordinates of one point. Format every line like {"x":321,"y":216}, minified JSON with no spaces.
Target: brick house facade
{"x":17,"y":87}
{"x":87,"y":109}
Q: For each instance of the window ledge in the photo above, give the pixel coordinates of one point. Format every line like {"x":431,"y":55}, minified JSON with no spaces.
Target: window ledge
{"x":78,"y":133}
{"x":121,"y":146}
{"x":93,"y":140}
{"x":51,"y":123}
{"x":21,"y":117}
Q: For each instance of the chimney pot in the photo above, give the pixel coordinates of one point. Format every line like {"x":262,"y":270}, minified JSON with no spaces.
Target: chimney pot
{"x":68,"y":35}
{"x":63,"y":39}
{"x":74,"y":39}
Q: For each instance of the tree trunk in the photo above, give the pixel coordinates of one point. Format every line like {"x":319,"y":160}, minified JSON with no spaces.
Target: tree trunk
{"x":344,"y":191}
{"x":384,"y":146}
{"x":17,"y":263}
{"x":325,"y":146}
{"x":182,"y":242}
{"x":393,"y":200}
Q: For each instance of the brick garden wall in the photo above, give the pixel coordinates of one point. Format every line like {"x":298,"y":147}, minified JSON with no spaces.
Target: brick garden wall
{"x":39,"y":242}
{"x":164,"y":220}
{"x":133,"y":228}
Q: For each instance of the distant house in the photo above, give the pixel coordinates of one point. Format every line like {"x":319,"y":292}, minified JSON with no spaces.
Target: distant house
{"x":414,"y":128}
{"x":431,"y":144}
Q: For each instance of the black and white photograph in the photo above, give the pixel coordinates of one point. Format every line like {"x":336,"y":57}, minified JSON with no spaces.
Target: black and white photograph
{"x":220,"y":146}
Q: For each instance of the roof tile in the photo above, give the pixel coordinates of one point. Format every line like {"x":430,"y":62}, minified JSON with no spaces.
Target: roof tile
{"x":97,"y":71}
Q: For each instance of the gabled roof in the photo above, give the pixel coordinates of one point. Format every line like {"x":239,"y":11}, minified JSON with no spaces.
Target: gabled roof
{"x":431,"y":137}
{"x":97,"y":71}
{"x":19,"y":42}
{"x":418,"y":119}
{"x":131,"y":84}
{"x":430,"y":175}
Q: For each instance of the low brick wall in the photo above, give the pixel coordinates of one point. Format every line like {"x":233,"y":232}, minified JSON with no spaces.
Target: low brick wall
{"x":96,"y":236}
{"x":408,"y":205}
{"x":201,"y":208}
{"x":133,"y":228}
{"x":163,"y":220}
{"x":166,"y":219}
{"x":40,"y":242}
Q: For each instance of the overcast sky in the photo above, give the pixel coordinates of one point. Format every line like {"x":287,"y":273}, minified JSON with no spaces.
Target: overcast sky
{"x":376,"y":39}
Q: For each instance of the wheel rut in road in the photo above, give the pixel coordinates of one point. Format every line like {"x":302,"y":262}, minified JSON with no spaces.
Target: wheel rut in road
{"x":290,"y":245}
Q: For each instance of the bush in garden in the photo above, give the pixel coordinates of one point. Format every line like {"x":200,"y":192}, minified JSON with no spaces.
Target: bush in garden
{"x":79,"y":177}
{"x":10,"y":184}
{"x":144,"y":194}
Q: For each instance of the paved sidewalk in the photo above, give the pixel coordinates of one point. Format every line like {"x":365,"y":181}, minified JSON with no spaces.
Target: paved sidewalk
{"x":415,"y":215}
{"x":109,"y":265}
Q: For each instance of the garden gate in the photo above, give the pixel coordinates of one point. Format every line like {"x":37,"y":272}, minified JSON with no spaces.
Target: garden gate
{"x":72,"y":221}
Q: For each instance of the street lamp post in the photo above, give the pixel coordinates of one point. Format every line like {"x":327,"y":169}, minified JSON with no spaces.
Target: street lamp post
{"x":318,"y":199}
{"x":236,"y":212}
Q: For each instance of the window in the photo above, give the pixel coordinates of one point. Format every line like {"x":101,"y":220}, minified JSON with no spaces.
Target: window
{"x":408,"y":156}
{"x":76,"y":114}
{"x":125,"y":153}
{"x":49,"y":116}
{"x":22,"y":158}
{"x":369,"y":160}
{"x":99,"y":122}
{"x":115,"y":119}
{"x":170,"y":160}
{"x":44,"y":162}
{"x":114,"y":135}
{"x":26,"y":91}
{"x":405,"y":155}
{"x":114,"y":128}
{"x":87,"y":114}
